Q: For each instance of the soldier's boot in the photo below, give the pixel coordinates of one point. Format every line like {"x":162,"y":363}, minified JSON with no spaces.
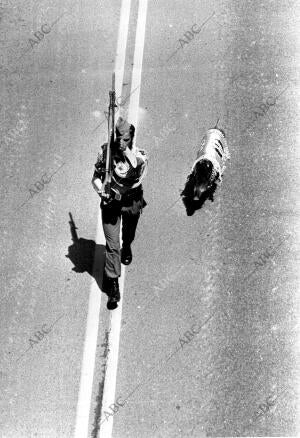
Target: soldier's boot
{"x":126,"y":255}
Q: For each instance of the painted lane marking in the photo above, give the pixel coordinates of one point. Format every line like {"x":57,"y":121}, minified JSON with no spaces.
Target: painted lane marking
{"x":92,"y":327}
{"x":137,"y":64}
{"x":110,"y":379}
{"x":89,"y":350}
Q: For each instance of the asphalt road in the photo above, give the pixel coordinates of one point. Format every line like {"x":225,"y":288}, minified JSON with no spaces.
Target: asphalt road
{"x":210,"y":321}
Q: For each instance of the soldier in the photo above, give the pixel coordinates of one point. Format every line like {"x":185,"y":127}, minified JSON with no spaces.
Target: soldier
{"x":129,"y":167}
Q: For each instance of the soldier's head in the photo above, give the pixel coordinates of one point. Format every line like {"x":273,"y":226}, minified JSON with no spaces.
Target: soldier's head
{"x":124,"y":134}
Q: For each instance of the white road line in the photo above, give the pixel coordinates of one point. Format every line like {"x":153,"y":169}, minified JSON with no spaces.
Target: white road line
{"x":110,"y":381}
{"x":138,"y":63}
{"x":91,"y":335}
{"x":115,"y":320}
{"x":121,"y":46}
{"x":116,"y":316}
{"x":89,"y":352}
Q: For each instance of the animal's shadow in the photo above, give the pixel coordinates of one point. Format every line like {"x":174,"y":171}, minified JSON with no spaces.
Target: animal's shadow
{"x":187,"y":196}
{"x":86,"y":255}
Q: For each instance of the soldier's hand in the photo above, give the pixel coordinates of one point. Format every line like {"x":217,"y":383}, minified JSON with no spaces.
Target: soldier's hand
{"x":104,"y":195}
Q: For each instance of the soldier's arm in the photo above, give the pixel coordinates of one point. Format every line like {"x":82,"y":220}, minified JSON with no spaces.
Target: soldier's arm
{"x":142,"y":157}
{"x":97,"y":184}
{"x":99,"y":171}
{"x":142,"y":165}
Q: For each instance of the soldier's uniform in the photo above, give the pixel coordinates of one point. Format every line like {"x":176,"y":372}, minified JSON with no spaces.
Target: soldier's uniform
{"x":128,"y":170}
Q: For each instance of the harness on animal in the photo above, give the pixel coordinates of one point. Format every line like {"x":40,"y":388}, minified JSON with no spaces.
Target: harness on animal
{"x":213,"y":148}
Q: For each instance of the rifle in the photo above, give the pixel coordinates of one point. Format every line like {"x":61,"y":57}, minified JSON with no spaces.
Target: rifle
{"x":73,"y":229}
{"x":108,"y":192}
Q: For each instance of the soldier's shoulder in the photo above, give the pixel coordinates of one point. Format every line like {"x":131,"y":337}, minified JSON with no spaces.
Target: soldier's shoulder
{"x":101,"y":157}
{"x":142,"y":154}
{"x":104,"y":147}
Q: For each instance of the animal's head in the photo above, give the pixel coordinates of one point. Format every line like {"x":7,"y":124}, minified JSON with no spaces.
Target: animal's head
{"x":203,"y":173}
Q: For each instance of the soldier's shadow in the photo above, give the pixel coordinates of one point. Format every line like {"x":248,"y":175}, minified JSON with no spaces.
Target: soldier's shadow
{"x":86,"y":255}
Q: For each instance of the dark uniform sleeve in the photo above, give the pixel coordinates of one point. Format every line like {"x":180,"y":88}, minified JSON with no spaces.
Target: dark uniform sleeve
{"x":99,"y":171}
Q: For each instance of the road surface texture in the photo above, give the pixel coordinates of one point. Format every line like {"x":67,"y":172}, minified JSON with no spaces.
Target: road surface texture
{"x":205,"y":341}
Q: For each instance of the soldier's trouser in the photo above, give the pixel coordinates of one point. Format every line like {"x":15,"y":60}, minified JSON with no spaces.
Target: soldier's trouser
{"x":111,"y":221}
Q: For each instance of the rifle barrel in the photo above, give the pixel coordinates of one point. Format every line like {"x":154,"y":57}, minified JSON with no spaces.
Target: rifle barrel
{"x":73,"y":229}
{"x":111,"y":129}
